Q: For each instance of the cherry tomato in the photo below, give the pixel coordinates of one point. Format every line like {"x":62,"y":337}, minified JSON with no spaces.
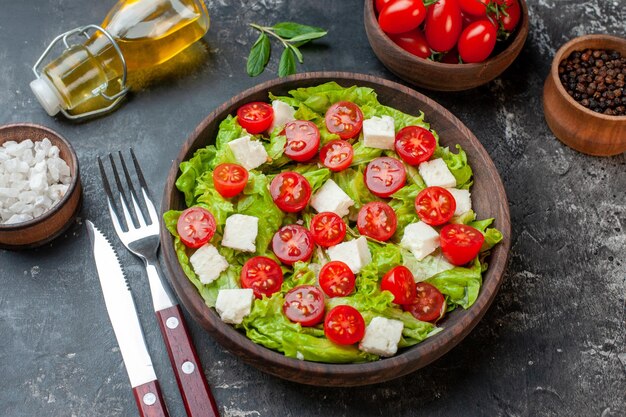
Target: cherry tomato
{"x":255,"y":117}
{"x":263,"y":275}
{"x":303,"y":140}
{"x":344,"y":119}
{"x":513,"y":14}
{"x":402,"y":16}
{"x":292,"y":243}
{"x":380,"y":4}
{"x":344,"y":325}
{"x":460,"y":243}
{"x":443,"y":25}
{"x":413,"y":42}
{"x":415,"y":144}
{"x":384,"y":176}
{"x":474,"y":7}
{"x":337,"y":279}
{"x":429,"y":303}
{"x":400,"y":282}
{"x":336,"y":155}
{"x":290,"y":191}
{"x":477,"y":41}
{"x":435,"y":205}
{"x":229,"y":179}
{"x":328,"y":229}
{"x":377,"y":220}
{"x":451,"y":57}
{"x":305,"y":305}
{"x":196,"y":226}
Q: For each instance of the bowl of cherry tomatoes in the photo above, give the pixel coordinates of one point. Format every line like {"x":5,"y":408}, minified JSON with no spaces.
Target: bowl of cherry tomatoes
{"x":446,"y":45}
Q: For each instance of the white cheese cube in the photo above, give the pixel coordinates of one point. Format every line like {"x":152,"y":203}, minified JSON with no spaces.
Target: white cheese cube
{"x":462,"y":199}
{"x":283,"y":114}
{"x":353,"y":253}
{"x":208,"y":264}
{"x":379,"y":132}
{"x":420,"y":239}
{"x":330,"y":197}
{"x":240,"y":232}
{"x":234,"y":304}
{"x":382,"y":336}
{"x":249,"y":153}
{"x":436,"y":173}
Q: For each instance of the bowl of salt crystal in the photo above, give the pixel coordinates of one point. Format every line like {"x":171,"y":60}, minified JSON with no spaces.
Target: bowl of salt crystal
{"x":40,"y":189}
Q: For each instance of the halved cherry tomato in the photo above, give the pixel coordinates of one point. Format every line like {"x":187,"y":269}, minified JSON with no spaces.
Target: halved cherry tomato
{"x":402,"y":16}
{"x":413,"y":42}
{"x":510,"y":14}
{"x":292,"y":243}
{"x":435,"y":205}
{"x":305,"y":305}
{"x":477,"y":41}
{"x":384,"y":176}
{"x":263,"y":275}
{"x":344,"y":325}
{"x":196,"y":226}
{"x":400,"y":282}
{"x":429,"y":303}
{"x":255,"y":117}
{"x":443,"y":25}
{"x":303,"y":140}
{"x":415,"y":144}
{"x":336,"y":155}
{"x":344,"y":119}
{"x":290,"y":191}
{"x":460,"y":243}
{"x":474,"y":7}
{"x":380,"y":4}
{"x":328,"y":229}
{"x":229,"y":179}
{"x":337,"y":279}
{"x":377,"y":220}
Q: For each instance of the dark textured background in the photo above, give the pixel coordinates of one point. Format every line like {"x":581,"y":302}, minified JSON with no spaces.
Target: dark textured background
{"x":553,"y":343}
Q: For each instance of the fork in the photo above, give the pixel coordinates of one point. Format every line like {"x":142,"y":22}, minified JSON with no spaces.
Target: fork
{"x":139,"y":232}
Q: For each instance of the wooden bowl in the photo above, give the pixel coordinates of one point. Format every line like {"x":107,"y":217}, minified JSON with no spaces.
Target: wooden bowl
{"x":55,"y":221}
{"x":575,"y":125}
{"x":436,"y":75}
{"x":489,"y":200}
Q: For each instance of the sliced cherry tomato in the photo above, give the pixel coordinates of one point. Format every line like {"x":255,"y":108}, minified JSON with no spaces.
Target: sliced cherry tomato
{"x":229,"y":179}
{"x":292,"y":243}
{"x":337,"y":279}
{"x":477,"y":41}
{"x":400,"y":282}
{"x":510,"y":14}
{"x":380,"y":4}
{"x":305,"y":305}
{"x":413,"y":42}
{"x":344,"y":325}
{"x":290,"y":191}
{"x":460,"y":243}
{"x":263,"y":275}
{"x":384,"y":176}
{"x":328,"y":229}
{"x":443,"y":25}
{"x":377,"y":220}
{"x":303,"y":140}
{"x":415,"y":144}
{"x":429,"y":303}
{"x":196,"y":226}
{"x":344,"y":119}
{"x":474,"y":7}
{"x":255,"y":117}
{"x":336,"y":155}
{"x":402,"y":16}
{"x":435,"y":205}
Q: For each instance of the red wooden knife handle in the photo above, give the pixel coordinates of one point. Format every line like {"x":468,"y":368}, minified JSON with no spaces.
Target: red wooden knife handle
{"x":149,"y":400}
{"x":199,"y":401}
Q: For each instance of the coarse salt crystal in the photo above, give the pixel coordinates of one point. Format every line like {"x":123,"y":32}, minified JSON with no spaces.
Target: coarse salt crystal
{"x":18,"y":218}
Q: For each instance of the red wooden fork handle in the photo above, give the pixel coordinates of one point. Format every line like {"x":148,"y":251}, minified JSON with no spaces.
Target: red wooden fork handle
{"x":149,"y":400}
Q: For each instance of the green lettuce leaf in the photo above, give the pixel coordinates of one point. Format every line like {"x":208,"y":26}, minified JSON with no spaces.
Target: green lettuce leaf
{"x":427,"y":267}
{"x":403,"y":203}
{"x":352,"y":182}
{"x":192,"y":169}
{"x":208,"y":197}
{"x":459,"y":285}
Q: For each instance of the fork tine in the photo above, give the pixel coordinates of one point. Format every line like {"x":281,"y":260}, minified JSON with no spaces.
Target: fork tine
{"x":133,"y":195}
{"x":113,"y":211}
{"x":130,"y":222}
{"x":144,"y":189}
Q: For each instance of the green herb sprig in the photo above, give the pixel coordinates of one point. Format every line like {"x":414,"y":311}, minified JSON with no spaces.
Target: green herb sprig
{"x":291,"y":35}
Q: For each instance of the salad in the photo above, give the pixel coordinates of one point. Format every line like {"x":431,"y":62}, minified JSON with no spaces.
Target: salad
{"x":330,"y":227}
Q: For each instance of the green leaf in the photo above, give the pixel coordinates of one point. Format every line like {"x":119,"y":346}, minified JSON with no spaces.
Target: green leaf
{"x":287,"y":65}
{"x":259,"y":56}
{"x":297,"y":52}
{"x":289,"y":30}
{"x":308,"y":36}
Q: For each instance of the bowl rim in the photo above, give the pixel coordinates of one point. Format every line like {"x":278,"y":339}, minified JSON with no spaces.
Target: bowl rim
{"x":75,"y":172}
{"x":569,"y":47}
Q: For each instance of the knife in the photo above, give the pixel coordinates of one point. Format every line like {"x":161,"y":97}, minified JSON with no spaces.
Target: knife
{"x":128,"y":332}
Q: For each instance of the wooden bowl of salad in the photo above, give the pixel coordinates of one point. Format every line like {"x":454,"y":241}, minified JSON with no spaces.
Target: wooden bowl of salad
{"x":210,"y":257}
{"x":410,"y":61}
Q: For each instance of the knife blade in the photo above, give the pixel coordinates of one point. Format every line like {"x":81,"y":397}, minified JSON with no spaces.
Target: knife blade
{"x":126,"y":326}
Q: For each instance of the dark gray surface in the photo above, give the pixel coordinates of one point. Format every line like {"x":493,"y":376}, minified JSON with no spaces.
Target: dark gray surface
{"x":553,"y":343}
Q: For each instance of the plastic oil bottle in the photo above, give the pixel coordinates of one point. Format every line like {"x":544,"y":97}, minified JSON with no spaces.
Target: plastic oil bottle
{"x":89,"y":77}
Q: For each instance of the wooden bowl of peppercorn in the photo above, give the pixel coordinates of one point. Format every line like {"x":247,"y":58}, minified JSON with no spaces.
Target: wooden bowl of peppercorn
{"x":584,"y":96}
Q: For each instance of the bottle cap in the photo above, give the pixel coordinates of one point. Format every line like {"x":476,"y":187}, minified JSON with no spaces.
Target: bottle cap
{"x":48,"y":98}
